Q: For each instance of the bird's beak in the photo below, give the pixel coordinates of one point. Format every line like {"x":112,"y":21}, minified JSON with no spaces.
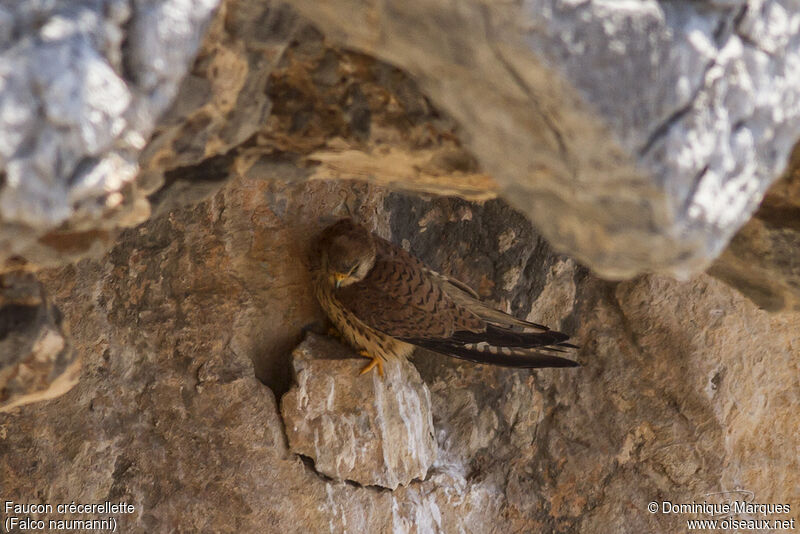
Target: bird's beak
{"x":338,"y":277}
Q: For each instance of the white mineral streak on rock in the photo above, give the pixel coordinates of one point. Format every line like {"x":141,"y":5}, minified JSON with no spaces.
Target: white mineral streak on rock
{"x":368,"y":429}
{"x":380,"y":420}
{"x":421,"y":512}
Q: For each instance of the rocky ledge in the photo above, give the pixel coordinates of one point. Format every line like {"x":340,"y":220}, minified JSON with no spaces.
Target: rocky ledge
{"x":377,"y":431}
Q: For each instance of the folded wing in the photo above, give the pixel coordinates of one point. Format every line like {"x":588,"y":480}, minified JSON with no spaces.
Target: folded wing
{"x":404,"y":299}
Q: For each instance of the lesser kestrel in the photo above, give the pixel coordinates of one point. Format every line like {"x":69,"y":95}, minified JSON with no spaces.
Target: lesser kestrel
{"x":386,"y":302}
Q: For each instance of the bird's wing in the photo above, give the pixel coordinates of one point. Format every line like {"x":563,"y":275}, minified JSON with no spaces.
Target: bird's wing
{"x":464,"y":295}
{"x":398,"y":298}
{"x":402,"y":298}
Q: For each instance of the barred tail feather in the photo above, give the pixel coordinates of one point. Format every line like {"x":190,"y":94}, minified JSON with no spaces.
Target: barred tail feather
{"x":503,"y":337}
{"x":483,"y":352}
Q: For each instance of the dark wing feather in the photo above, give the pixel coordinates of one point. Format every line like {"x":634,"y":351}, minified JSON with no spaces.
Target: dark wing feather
{"x":465,"y":296}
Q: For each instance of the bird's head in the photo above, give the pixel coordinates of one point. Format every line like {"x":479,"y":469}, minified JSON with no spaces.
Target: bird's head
{"x":346,"y":253}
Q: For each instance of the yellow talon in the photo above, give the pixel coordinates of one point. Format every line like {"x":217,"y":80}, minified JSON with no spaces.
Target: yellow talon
{"x":376,"y":361}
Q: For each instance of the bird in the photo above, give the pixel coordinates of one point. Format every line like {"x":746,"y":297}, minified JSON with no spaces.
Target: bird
{"x":385,"y":302}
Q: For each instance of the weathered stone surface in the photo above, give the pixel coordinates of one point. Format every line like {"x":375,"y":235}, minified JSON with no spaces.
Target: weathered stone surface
{"x":168,"y":414}
{"x":221,"y":104}
{"x":687,"y":388}
{"x":763,"y":259}
{"x":268,"y":96}
{"x":82,"y":84}
{"x":636,"y":136}
{"x":364,"y":428}
{"x":675,"y":375}
{"x":623,"y":167}
{"x":186,"y":326}
{"x":36,"y":360}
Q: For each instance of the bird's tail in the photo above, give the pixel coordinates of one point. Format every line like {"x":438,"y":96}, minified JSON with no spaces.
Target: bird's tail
{"x":507,"y":340}
{"x":484,"y":352}
{"x":501,"y":346}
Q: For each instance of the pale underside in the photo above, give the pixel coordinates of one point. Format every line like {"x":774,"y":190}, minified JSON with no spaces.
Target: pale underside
{"x":354,"y":330}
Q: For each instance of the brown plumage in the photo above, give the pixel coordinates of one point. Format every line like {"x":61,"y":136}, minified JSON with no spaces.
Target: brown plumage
{"x":385,"y":301}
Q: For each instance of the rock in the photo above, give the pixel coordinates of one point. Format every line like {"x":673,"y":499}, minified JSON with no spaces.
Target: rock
{"x":36,"y":359}
{"x":186,"y":326}
{"x":269,"y":96}
{"x":685,"y":386}
{"x":685,"y":121}
{"x":169,"y":414}
{"x":83,"y":84}
{"x":221,"y":104}
{"x":363,"y":428}
{"x":637,"y":138}
{"x":762,"y":259}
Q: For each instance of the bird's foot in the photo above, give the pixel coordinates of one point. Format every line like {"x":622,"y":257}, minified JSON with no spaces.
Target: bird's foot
{"x":376,"y":362}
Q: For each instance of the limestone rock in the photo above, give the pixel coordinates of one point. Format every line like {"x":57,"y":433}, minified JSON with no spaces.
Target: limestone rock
{"x":686,"y":387}
{"x":638,"y":137}
{"x":221,"y":104}
{"x":648,"y":166}
{"x":186,"y":325}
{"x":269,"y":96}
{"x":364,"y":428}
{"x":36,"y":359}
{"x":762,"y":259}
{"x":83,"y":84}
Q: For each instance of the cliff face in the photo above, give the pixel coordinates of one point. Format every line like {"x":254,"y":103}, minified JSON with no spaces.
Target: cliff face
{"x":686,"y":388}
{"x":204,"y":390}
